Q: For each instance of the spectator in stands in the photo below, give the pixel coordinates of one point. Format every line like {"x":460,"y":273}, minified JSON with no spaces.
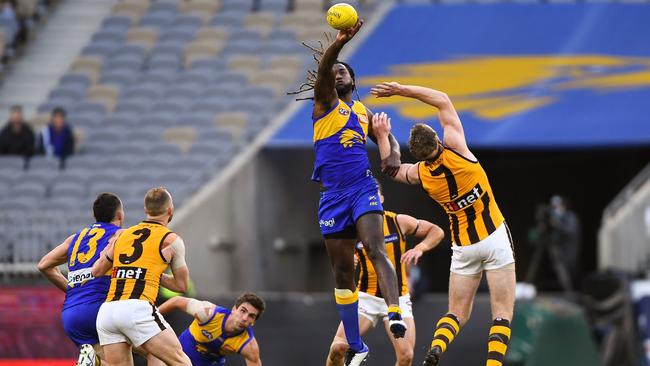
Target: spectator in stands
{"x":8,"y":14}
{"x":17,"y":137}
{"x":57,"y":138}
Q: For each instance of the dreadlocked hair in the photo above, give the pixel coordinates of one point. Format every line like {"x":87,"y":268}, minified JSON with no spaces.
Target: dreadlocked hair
{"x":310,"y":79}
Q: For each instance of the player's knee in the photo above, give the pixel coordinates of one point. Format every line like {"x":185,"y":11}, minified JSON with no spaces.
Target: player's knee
{"x":405,"y":356}
{"x":376,"y":255}
{"x":343,"y":276}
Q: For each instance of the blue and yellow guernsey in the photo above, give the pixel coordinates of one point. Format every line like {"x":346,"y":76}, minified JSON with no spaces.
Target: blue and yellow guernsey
{"x":339,"y":142}
{"x":84,"y":250}
{"x":207,"y":343}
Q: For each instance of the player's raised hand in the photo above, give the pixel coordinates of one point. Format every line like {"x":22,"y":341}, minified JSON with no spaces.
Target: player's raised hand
{"x":381,"y":125}
{"x":346,"y":35}
{"x":386,"y":89}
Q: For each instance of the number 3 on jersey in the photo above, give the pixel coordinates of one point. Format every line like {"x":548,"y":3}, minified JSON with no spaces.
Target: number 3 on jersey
{"x":137,"y":247}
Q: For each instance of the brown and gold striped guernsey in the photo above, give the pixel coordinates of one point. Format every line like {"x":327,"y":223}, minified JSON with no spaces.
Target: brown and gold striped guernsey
{"x":138,"y":262}
{"x":461,"y":187}
{"x":395,"y":247}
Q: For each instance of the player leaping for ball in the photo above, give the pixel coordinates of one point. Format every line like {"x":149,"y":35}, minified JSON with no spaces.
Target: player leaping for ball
{"x":349,"y":206}
{"x":451,"y":175}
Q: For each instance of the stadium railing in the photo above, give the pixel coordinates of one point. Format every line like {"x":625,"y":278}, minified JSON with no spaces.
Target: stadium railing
{"x":624,"y":235}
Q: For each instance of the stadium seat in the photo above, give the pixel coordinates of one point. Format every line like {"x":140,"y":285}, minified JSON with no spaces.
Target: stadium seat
{"x":158,"y":19}
{"x":5,"y":186}
{"x":67,"y":189}
{"x":309,"y":6}
{"x":74,"y":92}
{"x":244,"y":63}
{"x":229,"y":19}
{"x":183,"y":137}
{"x":242,"y":6}
{"x":29,"y":189}
{"x":277,"y":6}
{"x":44,"y":164}
{"x":131,"y":9}
{"x":77,"y":80}
{"x":84,"y":70}
{"x":203,"y":9}
{"x":134,"y":106}
{"x":11,"y":164}
{"x":201,"y":50}
{"x":105,"y":94}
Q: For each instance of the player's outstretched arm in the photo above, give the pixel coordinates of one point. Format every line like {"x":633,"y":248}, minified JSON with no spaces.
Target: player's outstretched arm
{"x":408,"y":174}
{"x":174,"y":252}
{"x":49,"y":264}
{"x":251,"y":353}
{"x":200,"y":310}
{"x":325,"y":95}
{"x":431,"y":235}
{"x":454,"y":135}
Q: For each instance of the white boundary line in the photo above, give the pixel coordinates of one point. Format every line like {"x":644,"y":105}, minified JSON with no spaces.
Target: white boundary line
{"x":263,"y":137}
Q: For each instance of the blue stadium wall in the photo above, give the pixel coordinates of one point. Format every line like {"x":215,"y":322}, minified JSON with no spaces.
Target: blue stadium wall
{"x":521,"y":75}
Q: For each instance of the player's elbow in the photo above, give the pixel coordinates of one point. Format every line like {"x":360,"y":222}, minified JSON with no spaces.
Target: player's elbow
{"x":96,"y":271}
{"x":42,"y":265}
{"x":438,"y":232}
{"x":443,"y":98}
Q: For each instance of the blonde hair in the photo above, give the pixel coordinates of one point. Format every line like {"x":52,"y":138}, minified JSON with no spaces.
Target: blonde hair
{"x":157,"y":201}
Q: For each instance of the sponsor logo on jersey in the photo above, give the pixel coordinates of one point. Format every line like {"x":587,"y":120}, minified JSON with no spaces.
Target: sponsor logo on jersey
{"x":129,"y":273}
{"x":465,"y":200}
{"x":207,"y":334}
{"x":391,"y":238}
{"x":80,"y":276}
{"x":344,"y":112}
{"x":327,"y":223}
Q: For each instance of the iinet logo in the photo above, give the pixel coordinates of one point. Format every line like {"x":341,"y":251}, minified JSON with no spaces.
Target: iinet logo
{"x":327,"y":223}
{"x":129,"y":273}
{"x":466,"y":200}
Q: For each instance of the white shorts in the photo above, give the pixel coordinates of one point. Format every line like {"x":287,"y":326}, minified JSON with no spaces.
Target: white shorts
{"x":130,"y":321}
{"x":374,"y":308}
{"x":493,"y":252}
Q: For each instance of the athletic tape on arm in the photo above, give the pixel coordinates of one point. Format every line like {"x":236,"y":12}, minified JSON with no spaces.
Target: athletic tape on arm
{"x":201,"y":310}
{"x":178,"y":247}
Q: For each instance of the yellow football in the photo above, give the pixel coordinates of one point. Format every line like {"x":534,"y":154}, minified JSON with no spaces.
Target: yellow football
{"x":342,"y":16}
